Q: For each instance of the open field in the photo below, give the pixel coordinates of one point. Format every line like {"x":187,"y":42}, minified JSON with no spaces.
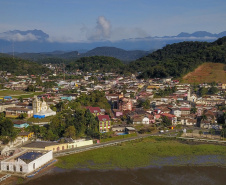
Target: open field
{"x":141,"y":153}
{"x":17,"y":94}
{"x":207,"y":72}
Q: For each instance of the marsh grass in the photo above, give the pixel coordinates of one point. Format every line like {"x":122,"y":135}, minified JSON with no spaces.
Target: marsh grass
{"x":138,"y":153}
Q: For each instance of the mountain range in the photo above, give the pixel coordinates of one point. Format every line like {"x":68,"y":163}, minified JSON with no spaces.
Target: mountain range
{"x":120,"y":54}
{"x":37,"y":41}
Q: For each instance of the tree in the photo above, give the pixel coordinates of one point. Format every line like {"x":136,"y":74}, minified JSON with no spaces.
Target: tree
{"x":203,"y":91}
{"x":166,"y":121}
{"x":20,"y":99}
{"x":30,"y":88}
{"x":212,"y":132}
{"x":200,"y":132}
{"x":70,"y":132}
{"x":213,"y":90}
{"x":22,"y":115}
{"x":193,"y":110}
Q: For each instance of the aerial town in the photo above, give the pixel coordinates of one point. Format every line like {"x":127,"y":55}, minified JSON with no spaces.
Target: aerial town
{"x":43,"y":114}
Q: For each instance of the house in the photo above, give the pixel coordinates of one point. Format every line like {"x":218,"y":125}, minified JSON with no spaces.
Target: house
{"x":117,"y":112}
{"x":185,"y":111}
{"x":16,"y":111}
{"x":176,"y":112}
{"x":119,"y":128}
{"x":171,"y":117}
{"x":79,"y":143}
{"x":20,"y":124}
{"x":26,"y":161}
{"x":46,"y":145}
{"x":96,"y":111}
{"x":130,"y":130}
{"x":104,"y":123}
{"x":26,"y":135}
{"x":5,"y":105}
{"x":140,"y":119}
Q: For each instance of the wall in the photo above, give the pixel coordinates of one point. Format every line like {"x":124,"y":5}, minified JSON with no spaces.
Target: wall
{"x":80,"y":143}
{"x":15,"y":166}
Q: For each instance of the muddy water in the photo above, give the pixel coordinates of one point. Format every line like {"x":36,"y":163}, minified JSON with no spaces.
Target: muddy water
{"x":167,"y":175}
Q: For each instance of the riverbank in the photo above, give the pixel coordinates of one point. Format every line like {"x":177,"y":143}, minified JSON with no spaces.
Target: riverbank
{"x":151,"y":151}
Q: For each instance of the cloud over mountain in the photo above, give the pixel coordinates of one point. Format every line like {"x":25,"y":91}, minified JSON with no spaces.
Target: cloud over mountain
{"x":22,"y":36}
{"x":102,"y":30}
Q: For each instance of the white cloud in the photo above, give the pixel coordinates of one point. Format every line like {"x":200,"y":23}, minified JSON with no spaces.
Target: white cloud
{"x":17,"y":37}
{"x":101,"y":31}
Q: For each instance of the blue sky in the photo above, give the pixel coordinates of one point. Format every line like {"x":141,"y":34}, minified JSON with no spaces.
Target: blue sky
{"x":89,"y":20}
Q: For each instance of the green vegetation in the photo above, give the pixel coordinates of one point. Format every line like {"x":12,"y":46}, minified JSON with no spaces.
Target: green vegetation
{"x":178,"y":59}
{"x":7,"y":131}
{"x":138,"y":153}
{"x":18,"y":94}
{"x":96,"y":63}
{"x":118,"y":137}
{"x":20,"y":67}
{"x":73,"y":119}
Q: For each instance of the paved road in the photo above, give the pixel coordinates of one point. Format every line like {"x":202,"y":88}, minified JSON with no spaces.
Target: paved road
{"x":99,"y":145}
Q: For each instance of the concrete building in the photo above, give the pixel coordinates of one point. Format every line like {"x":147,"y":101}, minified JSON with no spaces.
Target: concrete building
{"x":26,"y":161}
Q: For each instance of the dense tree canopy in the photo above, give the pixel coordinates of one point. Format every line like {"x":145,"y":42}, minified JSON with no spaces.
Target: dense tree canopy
{"x":96,"y":63}
{"x":20,"y":67}
{"x":178,"y":59}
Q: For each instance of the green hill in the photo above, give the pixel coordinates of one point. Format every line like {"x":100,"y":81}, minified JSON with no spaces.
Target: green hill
{"x":96,"y":63}
{"x":18,"y":66}
{"x":178,"y":59}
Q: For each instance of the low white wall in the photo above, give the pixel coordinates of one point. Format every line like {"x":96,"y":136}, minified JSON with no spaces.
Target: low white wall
{"x":80,"y":143}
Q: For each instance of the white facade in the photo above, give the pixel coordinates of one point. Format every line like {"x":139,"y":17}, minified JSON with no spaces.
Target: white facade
{"x":41,"y":108}
{"x":176,"y":112}
{"x":79,"y":143}
{"x":145,"y":120}
{"x":15,"y":164}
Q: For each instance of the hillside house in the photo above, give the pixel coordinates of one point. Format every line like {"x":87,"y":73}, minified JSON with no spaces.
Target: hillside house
{"x":104,"y":123}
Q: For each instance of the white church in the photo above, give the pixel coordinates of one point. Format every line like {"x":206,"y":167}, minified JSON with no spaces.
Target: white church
{"x":41,"y":109}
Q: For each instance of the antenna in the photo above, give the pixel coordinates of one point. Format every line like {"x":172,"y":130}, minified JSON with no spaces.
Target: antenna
{"x":13,"y":50}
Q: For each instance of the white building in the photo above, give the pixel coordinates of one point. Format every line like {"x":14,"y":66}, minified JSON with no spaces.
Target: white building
{"x":26,"y":161}
{"x":41,"y":109}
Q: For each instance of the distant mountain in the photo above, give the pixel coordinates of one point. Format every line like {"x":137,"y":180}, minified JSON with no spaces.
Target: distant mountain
{"x":36,"y":41}
{"x":201,"y":34}
{"x":55,"y":56}
{"x":120,"y":54}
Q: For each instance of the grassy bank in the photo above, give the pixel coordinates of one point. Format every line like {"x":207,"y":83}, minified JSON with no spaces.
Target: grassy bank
{"x":17,"y":93}
{"x":118,"y":137}
{"x":139,"y":153}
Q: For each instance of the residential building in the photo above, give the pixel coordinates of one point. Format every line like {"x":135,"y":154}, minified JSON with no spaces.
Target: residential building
{"x":104,"y":123}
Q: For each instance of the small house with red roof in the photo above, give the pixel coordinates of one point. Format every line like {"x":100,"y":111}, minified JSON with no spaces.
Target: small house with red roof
{"x":171,"y":117}
{"x":104,"y":123}
{"x":96,"y":111}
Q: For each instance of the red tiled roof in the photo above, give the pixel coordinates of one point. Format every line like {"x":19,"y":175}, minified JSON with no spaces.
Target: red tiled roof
{"x":168,"y":115}
{"x":103,"y":118}
{"x":94,"y":109}
{"x":185,"y":108}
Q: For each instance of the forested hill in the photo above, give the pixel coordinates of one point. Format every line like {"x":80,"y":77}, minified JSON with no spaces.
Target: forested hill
{"x":96,"y":63}
{"x":178,"y":59}
{"x":20,"y":67}
{"x":118,"y":53}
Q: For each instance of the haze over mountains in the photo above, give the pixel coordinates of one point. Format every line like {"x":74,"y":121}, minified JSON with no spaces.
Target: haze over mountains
{"x":38,"y":41}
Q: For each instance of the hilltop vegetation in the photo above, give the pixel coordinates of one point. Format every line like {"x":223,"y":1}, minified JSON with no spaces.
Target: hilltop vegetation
{"x":96,"y":63}
{"x":178,"y":59}
{"x":174,"y":60}
{"x":20,"y":67}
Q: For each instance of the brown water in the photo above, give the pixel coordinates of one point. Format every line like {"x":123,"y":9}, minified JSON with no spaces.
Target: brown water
{"x":167,"y":175}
